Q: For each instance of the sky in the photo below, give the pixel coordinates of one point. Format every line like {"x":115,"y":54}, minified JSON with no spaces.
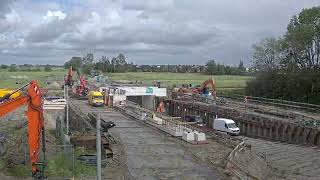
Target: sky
{"x":145,"y":31}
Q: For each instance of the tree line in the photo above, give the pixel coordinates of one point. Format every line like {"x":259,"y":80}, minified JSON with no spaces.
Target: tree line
{"x":27,"y":67}
{"x":119,"y":64}
{"x":104,"y":64}
{"x":289,"y":66}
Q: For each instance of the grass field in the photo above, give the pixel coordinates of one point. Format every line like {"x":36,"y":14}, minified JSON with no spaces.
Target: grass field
{"x":223,"y":82}
{"x":17,"y":79}
{"x":169,"y":79}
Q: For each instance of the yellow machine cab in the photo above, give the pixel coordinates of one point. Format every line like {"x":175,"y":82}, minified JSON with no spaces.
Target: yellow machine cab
{"x":95,"y":98}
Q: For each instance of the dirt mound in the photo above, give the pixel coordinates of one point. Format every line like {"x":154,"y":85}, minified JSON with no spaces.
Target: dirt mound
{"x":54,"y":84}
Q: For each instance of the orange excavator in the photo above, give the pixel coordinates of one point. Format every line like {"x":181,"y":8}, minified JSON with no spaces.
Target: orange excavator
{"x":68,"y":79}
{"x":35,"y":122}
{"x":206,"y":88}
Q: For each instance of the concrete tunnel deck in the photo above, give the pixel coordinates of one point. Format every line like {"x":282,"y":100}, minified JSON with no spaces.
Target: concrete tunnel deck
{"x":152,"y":154}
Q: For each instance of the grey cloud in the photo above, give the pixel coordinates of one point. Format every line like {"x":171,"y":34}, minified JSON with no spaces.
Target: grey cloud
{"x":4,"y":7}
{"x":152,"y":31}
{"x":54,"y":29}
{"x":151,"y":5}
{"x":179,"y":35}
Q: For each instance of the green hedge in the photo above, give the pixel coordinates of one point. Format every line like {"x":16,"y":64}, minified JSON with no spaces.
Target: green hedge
{"x":301,"y":86}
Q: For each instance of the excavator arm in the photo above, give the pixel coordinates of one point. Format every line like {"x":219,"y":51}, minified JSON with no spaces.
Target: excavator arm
{"x":68,"y":79}
{"x":35,"y":122}
{"x":13,"y":105}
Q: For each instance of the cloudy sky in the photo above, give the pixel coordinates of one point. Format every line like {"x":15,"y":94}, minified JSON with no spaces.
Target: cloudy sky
{"x":146,"y":31}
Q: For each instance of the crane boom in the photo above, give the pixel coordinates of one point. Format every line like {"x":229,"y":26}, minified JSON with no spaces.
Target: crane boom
{"x":35,"y":122}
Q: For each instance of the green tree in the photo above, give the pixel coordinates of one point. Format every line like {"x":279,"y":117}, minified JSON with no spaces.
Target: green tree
{"x":86,"y":69}
{"x":302,"y":40}
{"x":121,"y":65}
{"x":105,"y":64}
{"x":3,"y":66}
{"x":293,"y":73}
{"x":211,"y":67}
{"x":75,"y":62}
{"x":241,"y":68}
{"x":13,"y":68}
{"x":87,"y":63}
{"x":47,"y":68}
{"x":122,"y":59}
{"x":267,"y":54}
{"x":114,"y":64}
{"x":88,"y":59}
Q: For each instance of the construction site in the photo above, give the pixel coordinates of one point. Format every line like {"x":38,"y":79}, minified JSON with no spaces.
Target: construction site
{"x":92,"y":128}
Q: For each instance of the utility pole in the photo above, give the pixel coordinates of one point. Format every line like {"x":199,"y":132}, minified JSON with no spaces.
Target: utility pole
{"x":98,"y":143}
{"x":67,"y":100}
{"x":64,"y":90}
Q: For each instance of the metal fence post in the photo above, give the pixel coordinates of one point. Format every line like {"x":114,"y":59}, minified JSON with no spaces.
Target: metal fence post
{"x":98,"y":143}
{"x":67,"y":100}
{"x":73,"y":161}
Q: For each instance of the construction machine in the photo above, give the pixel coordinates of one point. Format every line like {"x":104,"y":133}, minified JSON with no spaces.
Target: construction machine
{"x":36,"y":135}
{"x":95,"y":98}
{"x":207,"y":88}
{"x":82,"y":90}
{"x":4,"y":92}
{"x":68,"y":78}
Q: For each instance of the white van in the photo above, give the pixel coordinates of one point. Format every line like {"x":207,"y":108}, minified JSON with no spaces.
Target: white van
{"x":226,"y":125}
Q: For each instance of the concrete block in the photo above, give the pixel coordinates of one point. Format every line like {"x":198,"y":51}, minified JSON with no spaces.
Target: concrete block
{"x":188,"y":136}
{"x":200,"y":136}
